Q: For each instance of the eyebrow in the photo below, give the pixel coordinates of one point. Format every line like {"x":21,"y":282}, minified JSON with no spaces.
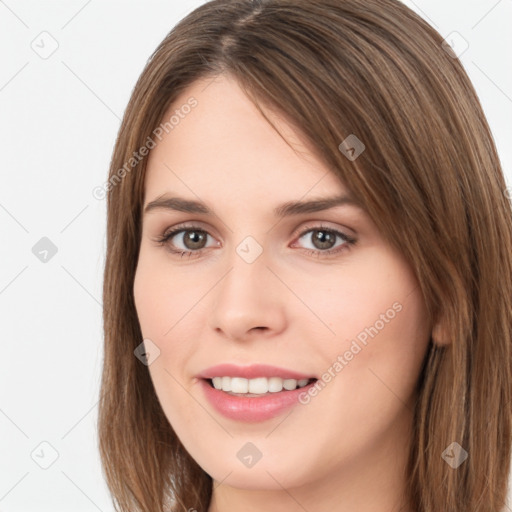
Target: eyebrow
{"x":287,"y":209}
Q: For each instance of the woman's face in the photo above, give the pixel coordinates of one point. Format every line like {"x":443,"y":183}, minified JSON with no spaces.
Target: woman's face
{"x":259,"y":282}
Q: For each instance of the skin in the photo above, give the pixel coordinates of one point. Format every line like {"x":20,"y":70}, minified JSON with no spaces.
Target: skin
{"x":346,"y":449}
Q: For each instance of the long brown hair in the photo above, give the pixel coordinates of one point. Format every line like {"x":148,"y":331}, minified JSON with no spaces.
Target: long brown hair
{"x":429,"y":177}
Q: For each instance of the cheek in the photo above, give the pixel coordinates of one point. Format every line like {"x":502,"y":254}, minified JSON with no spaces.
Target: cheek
{"x":372,"y":288}
{"x":165,"y":302}
{"x":377,"y":316}
{"x":161,"y":297}
{"x":159,"y":310}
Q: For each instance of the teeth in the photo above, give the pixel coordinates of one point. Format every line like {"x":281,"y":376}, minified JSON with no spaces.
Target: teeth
{"x":239,"y":385}
{"x":258,"y":386}
{"x":289,"y":384}
{"x":275,"y":384}
{"x":226,"y":383}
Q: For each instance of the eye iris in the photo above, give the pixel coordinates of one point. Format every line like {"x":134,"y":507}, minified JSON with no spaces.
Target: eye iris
{"x":326,"y":239}
{"x":194,"y":239}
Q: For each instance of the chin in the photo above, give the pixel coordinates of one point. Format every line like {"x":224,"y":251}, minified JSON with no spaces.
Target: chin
{"x":269,"y":475}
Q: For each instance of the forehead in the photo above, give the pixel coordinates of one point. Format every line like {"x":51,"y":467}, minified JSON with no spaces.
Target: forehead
{"x":224,"y":146}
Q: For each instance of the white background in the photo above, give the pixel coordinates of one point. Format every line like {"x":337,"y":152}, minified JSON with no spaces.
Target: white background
{"x":58,"y":121}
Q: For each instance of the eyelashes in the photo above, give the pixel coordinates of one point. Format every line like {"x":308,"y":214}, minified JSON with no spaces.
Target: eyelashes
{"x":165,"y":239}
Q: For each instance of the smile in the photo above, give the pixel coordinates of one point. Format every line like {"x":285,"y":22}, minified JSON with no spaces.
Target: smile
{"x":236,"y":386}
{"x":253,"y":393}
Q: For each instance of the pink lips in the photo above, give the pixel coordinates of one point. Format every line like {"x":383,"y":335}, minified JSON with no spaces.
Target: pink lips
{"x":255,"y":408}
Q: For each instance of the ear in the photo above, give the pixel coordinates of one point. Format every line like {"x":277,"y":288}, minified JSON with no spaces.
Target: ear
{"x":440,"y":334}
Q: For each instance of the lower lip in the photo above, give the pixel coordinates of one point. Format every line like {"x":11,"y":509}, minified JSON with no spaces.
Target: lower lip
{"x":252,"y":409}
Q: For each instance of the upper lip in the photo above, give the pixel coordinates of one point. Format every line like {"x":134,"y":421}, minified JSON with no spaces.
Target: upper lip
{"x":251,"y":372}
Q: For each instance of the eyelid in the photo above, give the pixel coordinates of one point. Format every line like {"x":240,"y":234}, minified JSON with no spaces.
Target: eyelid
{"x":300,"y":231}
{"x":348,"y":239}
{"x":192,"y":224}
{"x":322,"y":224}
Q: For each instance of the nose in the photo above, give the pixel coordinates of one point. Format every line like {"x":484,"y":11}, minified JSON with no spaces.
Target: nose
{"x":248,"y":301}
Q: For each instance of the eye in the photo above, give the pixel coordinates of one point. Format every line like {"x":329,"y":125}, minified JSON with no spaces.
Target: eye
{"x":192,"y":240}
{"x":324,"y":240}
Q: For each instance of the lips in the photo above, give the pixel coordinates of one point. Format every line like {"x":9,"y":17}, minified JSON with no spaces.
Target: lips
{"x":253,"y":407}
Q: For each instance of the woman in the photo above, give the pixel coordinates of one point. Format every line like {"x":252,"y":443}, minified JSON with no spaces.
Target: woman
{"x":308,"y":276}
